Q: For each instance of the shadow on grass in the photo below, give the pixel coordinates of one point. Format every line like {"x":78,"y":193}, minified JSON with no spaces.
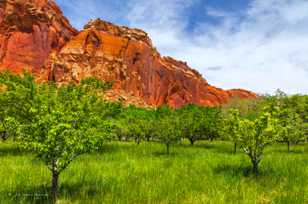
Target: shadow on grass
{"x":78,"y":190}
{"x":218,"y":148}
{"x":108,"y":148}
{"x":10,"y":150}
{"x":87,"y":190}
{"x":198,"y":145}
{"x":233,"y":170}
{"x":128,"y":146}
{"x":292,"y":151}
{"x":246,"y":171}
{"x":163,"y":154}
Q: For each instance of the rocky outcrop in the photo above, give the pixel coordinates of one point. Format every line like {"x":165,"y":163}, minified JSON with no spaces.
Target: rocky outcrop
{"x":128,"y":58}
{"x":34,"y":35}
{"x":29,"y":31}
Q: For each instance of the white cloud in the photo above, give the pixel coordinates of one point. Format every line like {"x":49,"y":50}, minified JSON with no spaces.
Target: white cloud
{"x":264,"y":51}
{"x":262,"y":48}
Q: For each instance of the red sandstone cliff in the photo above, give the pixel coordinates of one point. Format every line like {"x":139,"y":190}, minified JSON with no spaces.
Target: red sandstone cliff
{"x":29,"y":31}
{"x":34,"y":35}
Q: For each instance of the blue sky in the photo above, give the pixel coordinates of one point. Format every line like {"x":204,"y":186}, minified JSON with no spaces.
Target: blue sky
{"x":261,"y":45}
{"x":79,"y":12}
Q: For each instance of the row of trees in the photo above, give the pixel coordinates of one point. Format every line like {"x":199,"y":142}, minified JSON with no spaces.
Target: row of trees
{"x":169,"y":126}
{"x":61,"y":122}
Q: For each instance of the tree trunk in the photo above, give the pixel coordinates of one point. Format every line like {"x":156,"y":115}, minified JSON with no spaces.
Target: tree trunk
{"x":288,"y":146}
{"x":138,"y":140}
{"x":4,"y":135}
{"x":191,"y":141}
{"x":54,"y":185}
{"x":255,"y":160}
{"x":234,"y":151}
{"x":255,"y":169}
{"x":168,"y":147}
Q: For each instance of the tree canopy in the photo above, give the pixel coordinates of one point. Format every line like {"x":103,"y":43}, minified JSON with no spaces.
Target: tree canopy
{"x":57,"y":123}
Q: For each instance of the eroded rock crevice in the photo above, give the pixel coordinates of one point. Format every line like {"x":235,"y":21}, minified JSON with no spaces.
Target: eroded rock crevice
{"x":91,"y":44}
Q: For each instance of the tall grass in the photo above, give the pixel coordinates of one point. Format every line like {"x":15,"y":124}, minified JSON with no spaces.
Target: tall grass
{"x":126,"y":173}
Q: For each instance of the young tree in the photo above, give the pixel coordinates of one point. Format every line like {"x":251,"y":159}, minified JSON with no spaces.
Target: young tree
{"x":238,"y":109}
{"x":213,"y":123}
{"x":121,"y":128}
{"x":167,"y":127}
{"x":134,"y":123}
{"x":191,"y":118}
{"x":254,"y":135}
{"x":197,"y":123}
{"x":299,"y":104}
{"x":232,"y":127}
{"x":149,"y":124}
{"x":65,"y":126}
{"x":60,"y":124}
{"x":291,"y":127}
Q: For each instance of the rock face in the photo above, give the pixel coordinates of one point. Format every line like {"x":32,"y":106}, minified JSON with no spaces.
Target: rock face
{"x":29,"y":31}
{"x":127,"y":57}
{"x":34,"y":35}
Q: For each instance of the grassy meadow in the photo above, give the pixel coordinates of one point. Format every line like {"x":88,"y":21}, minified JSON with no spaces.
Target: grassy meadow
{"x":207,"y":172}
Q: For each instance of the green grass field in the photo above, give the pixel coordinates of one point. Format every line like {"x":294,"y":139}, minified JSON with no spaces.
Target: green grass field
{"x":126,"y":173}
